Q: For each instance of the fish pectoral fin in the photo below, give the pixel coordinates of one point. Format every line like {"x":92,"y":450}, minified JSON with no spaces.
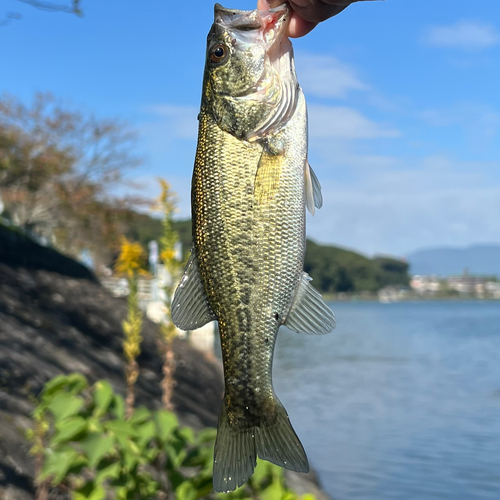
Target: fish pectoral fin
{"x":190,"y":307}
{"x":309,"y":312}
{"x":314,"y":198}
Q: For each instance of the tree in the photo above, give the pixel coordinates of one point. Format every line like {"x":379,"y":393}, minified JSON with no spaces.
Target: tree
{"x":72,"y":7}
{"x":58,"y":170}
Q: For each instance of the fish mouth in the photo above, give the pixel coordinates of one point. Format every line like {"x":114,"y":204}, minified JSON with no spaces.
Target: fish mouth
{"x":270,"y":24}
{"x":267,"y":27}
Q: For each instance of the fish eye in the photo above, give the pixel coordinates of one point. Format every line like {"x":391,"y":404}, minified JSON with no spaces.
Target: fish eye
{"x":218,"y":53}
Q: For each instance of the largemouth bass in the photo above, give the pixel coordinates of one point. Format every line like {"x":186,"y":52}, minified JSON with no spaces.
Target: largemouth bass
{"x":251,"y":184}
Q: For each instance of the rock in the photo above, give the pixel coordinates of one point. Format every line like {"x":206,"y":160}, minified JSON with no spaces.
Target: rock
{"x":52,"y":324}
{"x":55,"y":318}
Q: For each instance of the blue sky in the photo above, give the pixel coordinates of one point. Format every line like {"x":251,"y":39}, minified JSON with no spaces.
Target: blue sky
{"x":404,"y":105}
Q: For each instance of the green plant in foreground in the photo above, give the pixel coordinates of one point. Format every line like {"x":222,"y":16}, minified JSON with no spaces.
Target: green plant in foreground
{"x":130,"y":263}
{"x":89,"y":447}
{"x":166,"y":205}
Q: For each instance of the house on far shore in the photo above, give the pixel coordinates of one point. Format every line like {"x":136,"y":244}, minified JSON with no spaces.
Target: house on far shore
{"x":425,"y":285}
{"x":463,"y":284}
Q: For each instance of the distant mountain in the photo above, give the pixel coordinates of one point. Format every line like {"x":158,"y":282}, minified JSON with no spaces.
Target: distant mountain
{"x":477,"y":259}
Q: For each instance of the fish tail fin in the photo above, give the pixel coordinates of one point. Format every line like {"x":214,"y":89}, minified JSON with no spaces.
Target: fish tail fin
{"x":277,"y":442}
{"x":236,"y":449}
{"x":234,"y":456}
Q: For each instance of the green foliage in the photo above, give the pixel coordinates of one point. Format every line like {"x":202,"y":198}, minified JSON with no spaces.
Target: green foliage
{"x":90,"y":448}
{"x":392,"y":271}
{"x":334,"y":270}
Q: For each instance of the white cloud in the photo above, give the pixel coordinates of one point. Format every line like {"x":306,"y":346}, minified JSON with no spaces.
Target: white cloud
{"x":338,"y":154}
{"x":171,"y":121}
{"x":437,"y":202}
{"x":480,"y":122}
{"x":469,"y":35}
{"x":344,"y":122}
{"x":326,"y":76}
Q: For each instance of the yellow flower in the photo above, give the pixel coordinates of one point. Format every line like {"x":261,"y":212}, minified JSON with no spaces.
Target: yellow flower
{"x":167,"y":255}
{"x":131,"y":258}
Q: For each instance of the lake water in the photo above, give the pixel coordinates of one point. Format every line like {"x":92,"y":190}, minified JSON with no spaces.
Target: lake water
{"x":402,"y":401}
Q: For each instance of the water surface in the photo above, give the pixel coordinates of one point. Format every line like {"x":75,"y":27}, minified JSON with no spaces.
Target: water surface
{"x":402,"y":401}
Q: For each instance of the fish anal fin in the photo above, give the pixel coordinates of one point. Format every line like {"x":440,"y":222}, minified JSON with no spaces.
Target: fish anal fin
{"x":190,"y":308}
{"x":309,"y":312}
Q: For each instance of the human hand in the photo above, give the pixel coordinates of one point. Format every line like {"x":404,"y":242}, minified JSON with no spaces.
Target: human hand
{"x":307,"y":14}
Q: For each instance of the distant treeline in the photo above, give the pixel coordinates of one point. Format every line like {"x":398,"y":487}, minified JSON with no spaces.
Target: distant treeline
{"x":333,"y":269}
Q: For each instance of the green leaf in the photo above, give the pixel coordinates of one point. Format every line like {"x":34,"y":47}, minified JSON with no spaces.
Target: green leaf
{"x":206,"y":435}
{"x":203,"y":484}
{"x":166,"y":422}
{"x":199,"y":456}
{"x":118,"y":407}
{"x":176,"y":454}
{"x":103,"y":396}
{"x":68,"y":429}
{"x":186,"y":491}
{"x":96,"y":446}
{"x":261,"y":473}
{"x":131,"y":456}
{"x":107,"y":471}
{"x":140,"y":415}
{"x":57,"y":464}
{"x":90,"y":491}
{"x":64,"y":404}
{"x":187,"y":434}
{"x":146,"y":432}
{"x":75,"y":382}
{"x":123,"y":430}
{"x":273,"y":491}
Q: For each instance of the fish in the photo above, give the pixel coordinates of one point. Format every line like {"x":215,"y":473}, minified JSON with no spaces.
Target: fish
{"x":251,"y":185}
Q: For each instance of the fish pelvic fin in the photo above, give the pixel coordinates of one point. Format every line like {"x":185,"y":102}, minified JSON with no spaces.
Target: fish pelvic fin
{"x":236,"y":450}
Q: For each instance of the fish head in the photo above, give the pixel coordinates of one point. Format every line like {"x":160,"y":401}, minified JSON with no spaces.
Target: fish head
{"x":250,"y":87}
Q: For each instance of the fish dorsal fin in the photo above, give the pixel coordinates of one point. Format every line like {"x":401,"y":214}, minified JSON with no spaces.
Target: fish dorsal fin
{"x":309,"y":312}
{"x":190,"y":308}
{"x":314,"y":198}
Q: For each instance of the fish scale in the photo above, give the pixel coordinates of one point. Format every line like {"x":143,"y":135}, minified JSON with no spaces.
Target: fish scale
{"x":252,"y":254}
{"x":250,"y":187}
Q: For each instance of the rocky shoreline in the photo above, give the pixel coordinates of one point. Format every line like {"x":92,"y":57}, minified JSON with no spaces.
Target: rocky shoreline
{"x":60,"y":322}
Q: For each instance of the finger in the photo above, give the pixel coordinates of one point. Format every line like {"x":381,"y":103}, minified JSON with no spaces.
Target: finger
{"x":299,"y":27}
{"x":263,"y":5}
{"x":316,"y":11}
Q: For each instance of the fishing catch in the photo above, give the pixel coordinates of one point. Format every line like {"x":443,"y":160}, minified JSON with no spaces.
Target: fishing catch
{"x":251,"y":185}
